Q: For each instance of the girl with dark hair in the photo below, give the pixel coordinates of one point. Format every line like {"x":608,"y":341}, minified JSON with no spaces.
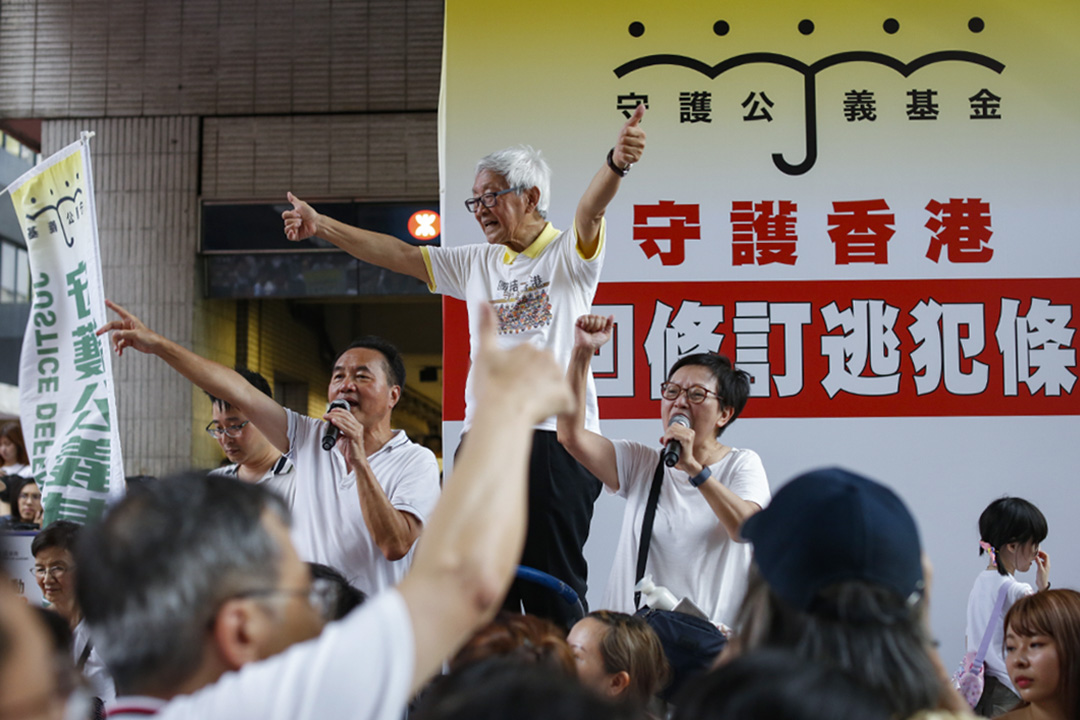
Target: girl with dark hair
{"x":1011,"y":530}
{"x":1042,"y":652}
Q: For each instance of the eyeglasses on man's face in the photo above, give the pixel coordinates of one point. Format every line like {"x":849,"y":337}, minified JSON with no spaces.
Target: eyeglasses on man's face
{"x":696,"y":394}
{"x":488,"y":199}
{"x":322,"y":595}
{"x":233,"y":431}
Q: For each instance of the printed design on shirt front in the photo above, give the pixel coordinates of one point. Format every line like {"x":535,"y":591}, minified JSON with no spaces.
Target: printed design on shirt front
{"x":523,"y":306}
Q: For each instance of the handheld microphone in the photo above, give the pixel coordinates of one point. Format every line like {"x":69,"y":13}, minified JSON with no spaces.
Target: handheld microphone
{"x":330,"y":435}
{"x":673,"y":450}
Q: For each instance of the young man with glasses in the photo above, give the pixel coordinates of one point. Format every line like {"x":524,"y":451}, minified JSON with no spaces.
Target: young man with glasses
{"x":252,"y":458}
{"x":696,"y":551}
{"x":539,"y":279}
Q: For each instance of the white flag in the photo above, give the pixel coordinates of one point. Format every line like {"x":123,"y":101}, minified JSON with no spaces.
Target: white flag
{"x":66,"y":396}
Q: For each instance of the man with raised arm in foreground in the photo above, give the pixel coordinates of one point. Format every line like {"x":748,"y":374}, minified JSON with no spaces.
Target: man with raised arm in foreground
{"x":540,"y":280}
{"x":370,"y":663}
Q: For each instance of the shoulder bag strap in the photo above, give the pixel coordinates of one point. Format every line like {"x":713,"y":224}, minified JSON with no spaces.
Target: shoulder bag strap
{"x":81,"y":662}
{"x":994,"y":616}
{"x":646,"y":526}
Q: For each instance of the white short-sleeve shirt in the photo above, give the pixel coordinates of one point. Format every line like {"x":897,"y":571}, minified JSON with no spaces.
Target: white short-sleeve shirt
{"x":690,"y":553}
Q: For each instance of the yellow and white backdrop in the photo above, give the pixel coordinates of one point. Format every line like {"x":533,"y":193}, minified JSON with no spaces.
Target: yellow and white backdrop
{"x":872,"y":208}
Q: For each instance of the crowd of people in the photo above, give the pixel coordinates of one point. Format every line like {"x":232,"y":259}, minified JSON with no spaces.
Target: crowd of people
{"x":327,"y":572}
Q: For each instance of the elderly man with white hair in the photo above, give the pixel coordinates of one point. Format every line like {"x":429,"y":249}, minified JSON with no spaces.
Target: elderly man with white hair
{"x":540,"y":280}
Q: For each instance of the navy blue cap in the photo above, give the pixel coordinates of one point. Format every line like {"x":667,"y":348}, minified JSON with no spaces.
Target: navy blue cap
{"x":830,"y":526}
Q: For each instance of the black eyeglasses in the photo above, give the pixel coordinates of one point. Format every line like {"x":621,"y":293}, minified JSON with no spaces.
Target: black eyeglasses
{"x":488,"y":200}
{"x":232,"y":431}
{"x":695,"y":393}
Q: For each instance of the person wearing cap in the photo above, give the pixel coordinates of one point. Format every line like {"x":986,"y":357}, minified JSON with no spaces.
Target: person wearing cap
{"x":696,"y":551}
{"x":839,"y":577}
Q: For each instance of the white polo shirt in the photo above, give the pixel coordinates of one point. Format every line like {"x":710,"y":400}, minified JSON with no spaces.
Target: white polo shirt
{"x":328,"y":524}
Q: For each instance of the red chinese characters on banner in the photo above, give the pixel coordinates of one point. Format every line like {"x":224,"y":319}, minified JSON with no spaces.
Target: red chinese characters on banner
{"x":763,"y":232}
{"x":890,"y":348}
{"x":860,"y":230}
{"x":962,"y":226}
{"x":683,"y":224}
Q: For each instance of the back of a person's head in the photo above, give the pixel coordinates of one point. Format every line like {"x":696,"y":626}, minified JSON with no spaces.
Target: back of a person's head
{"x":630,"y":645}
{"x":848,"y":590}
{"x":154,"y":570}
{"x":862,"y":629}
{"x":525,"y":637}
{"x":502,"y":687}
{"x":1011,"y":520}
{"x":777,"y":685}
{"x":344,"y":597}
{"x":1054,"y":614}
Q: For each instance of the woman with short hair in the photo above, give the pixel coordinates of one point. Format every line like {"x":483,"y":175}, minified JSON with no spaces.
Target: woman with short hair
{"x":696,"y":551}
{"x":54,"y":569}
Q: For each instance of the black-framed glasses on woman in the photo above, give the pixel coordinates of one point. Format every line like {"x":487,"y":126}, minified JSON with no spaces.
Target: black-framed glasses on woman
{"x":696,"y":394}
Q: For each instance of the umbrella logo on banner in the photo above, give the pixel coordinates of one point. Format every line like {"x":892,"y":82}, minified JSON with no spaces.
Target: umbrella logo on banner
{"x":809,"y":73}
{"x":74,"y":211}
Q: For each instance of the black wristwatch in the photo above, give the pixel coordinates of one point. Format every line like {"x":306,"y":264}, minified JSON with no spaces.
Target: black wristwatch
{"x":621,"y":172}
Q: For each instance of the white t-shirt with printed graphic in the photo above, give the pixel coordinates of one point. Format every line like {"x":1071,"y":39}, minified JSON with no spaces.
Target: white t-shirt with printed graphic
{"x":538,"y":295}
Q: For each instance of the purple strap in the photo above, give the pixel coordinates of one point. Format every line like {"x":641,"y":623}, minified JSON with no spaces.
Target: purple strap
{"x":998,"y":607}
